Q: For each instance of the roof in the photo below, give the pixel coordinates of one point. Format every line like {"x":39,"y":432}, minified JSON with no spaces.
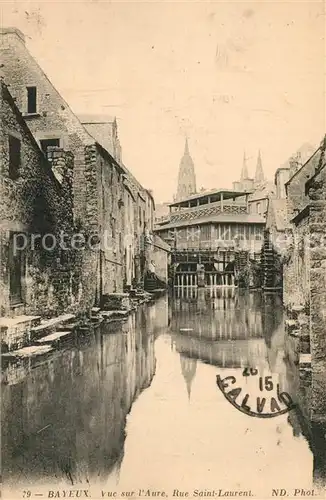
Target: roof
{"x":228,"y":193}
{"x":32,"y":64}
{"x":12,"y":31}
{"x":320,"y":169}
{"x":312,"y":161}
{"x":230,"y":218}
{"x":158,"y":242}
{"x":278,"y":206}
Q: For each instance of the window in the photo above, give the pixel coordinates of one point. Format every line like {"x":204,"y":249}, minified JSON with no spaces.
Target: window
{"x":258,"y":233}
{"x":45,"y":143}
{"x":14,"y":157}
{"x":225,"y":232}
{"x":113,"y":226}
{"x":16,"y":268}
{"x":31,"y":100}
{"x":205,"y":232}
{"x":120,"y":243}
{"x":258,"y":208}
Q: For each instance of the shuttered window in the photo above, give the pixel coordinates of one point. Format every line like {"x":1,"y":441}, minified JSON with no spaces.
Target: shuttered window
{"x":31,"y":100}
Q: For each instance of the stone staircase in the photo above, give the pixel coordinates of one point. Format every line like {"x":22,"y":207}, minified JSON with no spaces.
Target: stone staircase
{"x":26,"y":336}
{"x":16,"y":332}
{"x":153,"y":284}
{"x":48,"y":327}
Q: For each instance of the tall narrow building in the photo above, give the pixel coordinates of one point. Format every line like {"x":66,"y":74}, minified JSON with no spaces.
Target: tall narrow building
{"x":187,"y":176}
{"x":259,"y":175}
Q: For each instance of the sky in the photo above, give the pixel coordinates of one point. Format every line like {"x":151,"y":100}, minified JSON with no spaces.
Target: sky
{"x":231,"y":76}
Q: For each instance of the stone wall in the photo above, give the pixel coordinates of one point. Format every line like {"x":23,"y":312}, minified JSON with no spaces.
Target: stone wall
{"x":34,"y":204}
{"x":159,"y":253}
{"x":160,"y":258}
{"x":296,"y":289}
{"x":129,"y":249}
{"x":112,"y":218}
{"x":97,"y":182}
{"x":305,"y":282}
{"x":317,"y":223}
{"x":55,"y":120}
{"x":295,"y":187}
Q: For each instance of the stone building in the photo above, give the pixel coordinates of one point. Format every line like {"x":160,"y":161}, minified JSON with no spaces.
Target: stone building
{"x":98,"y":173}
{"x":36,"y":274}
{"x":304,"y":271}
{"x":129,"y":234}
{"x":139,"y":208}
{"x":105,"y":129}
{"x":284,"y":202}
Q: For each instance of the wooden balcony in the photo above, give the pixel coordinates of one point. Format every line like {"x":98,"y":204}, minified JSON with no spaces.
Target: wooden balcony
{"x":216,"y":208}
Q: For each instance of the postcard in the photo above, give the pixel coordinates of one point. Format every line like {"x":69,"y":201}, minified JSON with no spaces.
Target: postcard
{"x":162,"y":249}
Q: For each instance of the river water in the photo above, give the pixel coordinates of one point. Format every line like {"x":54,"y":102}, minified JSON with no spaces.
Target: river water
{"x":136,"y":406}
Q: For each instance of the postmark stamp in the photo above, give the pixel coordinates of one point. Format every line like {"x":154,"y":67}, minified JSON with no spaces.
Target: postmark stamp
{"x":263,"y":398}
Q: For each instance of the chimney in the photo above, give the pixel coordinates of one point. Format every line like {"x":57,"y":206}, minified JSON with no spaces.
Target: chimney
{"x":9,"y":36}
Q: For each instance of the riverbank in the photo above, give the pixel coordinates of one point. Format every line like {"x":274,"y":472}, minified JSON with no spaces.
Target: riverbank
{"x":82,"y":413}
{"x":30,"y":336}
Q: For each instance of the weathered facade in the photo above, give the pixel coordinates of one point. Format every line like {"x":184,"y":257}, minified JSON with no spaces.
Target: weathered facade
{"x":36,"y":207}
{"x":102,"y":208}
{"x":296,"y":276}
{"x":52,"y":123}
{"x":213,"y":229}
{"x":136,"y":230}
{"x":304,"y":272}
{"x":160,"y":256}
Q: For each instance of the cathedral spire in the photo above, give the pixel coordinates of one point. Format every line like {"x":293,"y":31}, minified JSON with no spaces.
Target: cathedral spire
{"x":244,"y":171}
{"x":186,"y":147}
{"x":186,"y":177}
{"x":188,"y":369}
{"x":259,"y":175}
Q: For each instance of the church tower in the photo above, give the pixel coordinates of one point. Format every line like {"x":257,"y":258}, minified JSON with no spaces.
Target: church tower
{"x":245,"y":183}
{"x":259,"y":175}
{"x":186,"y":177}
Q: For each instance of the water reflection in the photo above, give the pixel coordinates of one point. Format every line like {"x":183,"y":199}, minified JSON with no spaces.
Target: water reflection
{"x":64,"y":418}
{"x":76,"y":415}
{"x":233,"y":330}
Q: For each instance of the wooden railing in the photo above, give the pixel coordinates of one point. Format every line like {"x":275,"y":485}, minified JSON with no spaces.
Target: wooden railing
{"x":212,"y":278}
{"x":205,"y":210}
